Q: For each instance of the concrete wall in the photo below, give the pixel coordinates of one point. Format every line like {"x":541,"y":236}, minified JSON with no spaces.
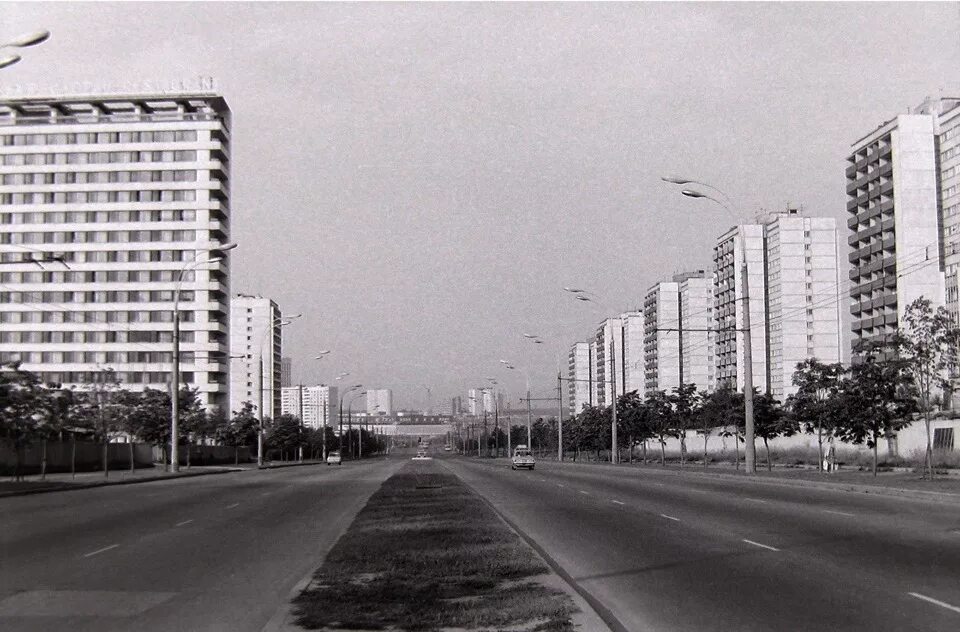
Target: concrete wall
{"x":88,"y":456}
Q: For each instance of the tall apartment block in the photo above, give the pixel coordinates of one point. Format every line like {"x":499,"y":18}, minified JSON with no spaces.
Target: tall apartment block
{"x":379,"y":401}
{"x":678,"y":337}
{"x":609,"y":357}
{"x":286,"y":371}
{"x":633,"y":351}
{"x":803,"y":296}
{"x":256,"y":346}
{"x":902,"y":199}
{"x":480,"y":400}
{"x":728,"y":291}
{"x":580,"y":368}
{"x":314,"y":405}
{"x":106,"y":203}
{"x":792,"y":271}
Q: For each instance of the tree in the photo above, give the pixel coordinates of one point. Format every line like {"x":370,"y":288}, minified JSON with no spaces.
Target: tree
{"x":241,"y":429}
{"x":107,"y":411}
{"x":154,"y":415}
{"x":660,"y":417}
{"x":877,"y":400}
{"x":684,"y":403}
{"x":926,"y":343}
{"x":813,"y":405}
{"x":769,"y":421}
{"x":192,"y":424}
{"x":716,"y":411}
{"x":632,"y":421}
{"x":21,"y":410}
{"x":285,"y":434}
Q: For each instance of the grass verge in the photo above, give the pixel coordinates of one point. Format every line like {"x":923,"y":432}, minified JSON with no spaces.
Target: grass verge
{"x":426,"y":553}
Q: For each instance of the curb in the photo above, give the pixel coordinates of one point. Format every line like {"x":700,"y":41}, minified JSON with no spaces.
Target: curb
{"x":593,"y":615}
{"x":879,"y":490}
{"x":109,"y":483}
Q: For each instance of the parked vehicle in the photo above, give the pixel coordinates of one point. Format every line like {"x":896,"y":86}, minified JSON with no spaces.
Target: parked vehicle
{"x":522,"y":458}
{"x":334,"y":459}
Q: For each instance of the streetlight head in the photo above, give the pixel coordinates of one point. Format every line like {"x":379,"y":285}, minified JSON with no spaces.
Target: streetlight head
{"x":530,"y":336}
{"x":9,"y":60}
{"x":30,"y":39}
{"x":581,"y":297}
{"x":676,"y":180}
{"x":321,"y":354}
{"x":225,"y":247}
{"x":214,"y":260}
{"x":573,"y":290}
{"x":538,"y":342}
{"x":358,"y":386}
{"x":693,"y":194}
{"x":292,"y":317}
{"x":504,"y":362}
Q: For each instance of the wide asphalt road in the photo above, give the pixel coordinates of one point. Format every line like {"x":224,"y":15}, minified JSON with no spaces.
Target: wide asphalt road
{"x":207,"y":553}
{"x":667,"y":552}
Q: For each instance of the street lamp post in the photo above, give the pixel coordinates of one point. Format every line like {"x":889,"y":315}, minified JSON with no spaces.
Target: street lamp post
{"x":529,"y":411}
{"x":24,"y":41}
{"x":218,"y":256}
{"x":350,"y":426}
{"x":342,"y":395}
{"x":749,"y":433}
{"x":282,"y":321}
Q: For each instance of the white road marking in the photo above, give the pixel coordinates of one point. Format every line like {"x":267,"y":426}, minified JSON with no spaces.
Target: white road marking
{"x":762,"y":546}
{"x":585,"y":493}
{"x":233,"y":505}
{"x":839,"y":513}
{"x":106,"y":548}
{"x":934,"y":601}
{"x":755,"y":500}
{"x":180,"y":524}
{"x":616,"y":502}
{"x":670,"y":517}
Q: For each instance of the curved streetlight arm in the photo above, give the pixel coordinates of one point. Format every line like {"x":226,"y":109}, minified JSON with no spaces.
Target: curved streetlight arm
{"x":692,"y":193}
{"x":28,"y":39}
{"x":680,"y":180}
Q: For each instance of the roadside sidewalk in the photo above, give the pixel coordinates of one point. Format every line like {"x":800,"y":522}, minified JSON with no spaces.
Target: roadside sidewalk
{"x":945,"y":489}
{"x":85,"y":480}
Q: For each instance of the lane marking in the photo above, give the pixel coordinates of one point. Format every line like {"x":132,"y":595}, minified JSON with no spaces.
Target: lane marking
{"x":839,"y":513}
{"x":233,"y":505}
{"x":585,"y":493}
{"x":762,"y":546}
{"x":670,"y":517}
{"x":106,"y":548}
{"x":934,"y":601}
{"x":756,"y":500}
{"x":616,"y":502}
{"x":180,"y":524}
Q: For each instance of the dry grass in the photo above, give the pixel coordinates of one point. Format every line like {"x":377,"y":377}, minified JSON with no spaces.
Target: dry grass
{"x":426,"y":557}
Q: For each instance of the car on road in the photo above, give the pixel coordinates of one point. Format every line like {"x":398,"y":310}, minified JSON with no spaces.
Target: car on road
{"x":334,"y":459}
{"x":447,"y":448}
{"x":421,"y":456}
{"x":522,"y":458}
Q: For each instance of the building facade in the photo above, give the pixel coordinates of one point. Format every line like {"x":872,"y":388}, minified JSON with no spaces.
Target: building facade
{"x":633,"y":351}
{"x":379,"y":401}
{"x":661,"y":318}
{"x":107,"y":206}
{"x":286,"y":371}
{"x":580,"y":369}
{"x":697,"y":362}
{"x":610,"y":366}
{"x":316,"y":406}
{"x":255,"y":353}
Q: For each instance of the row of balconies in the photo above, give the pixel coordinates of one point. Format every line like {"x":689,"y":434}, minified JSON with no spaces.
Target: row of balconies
{"x":885,"y":225}
{"x":885,"y":170}
{"x":861,"y":200}
{"x":887,"y":245}
{"x":887,"y":264}
{"x":882,"y":150}
{"x":868,"y":287}
{"x":889,"y":300}
{"x":876,"y":321}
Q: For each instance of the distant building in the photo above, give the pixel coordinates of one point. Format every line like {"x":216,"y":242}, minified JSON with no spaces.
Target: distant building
{"x":316,"y":406}
{"x":255,"y":348}
{"x":610,"y":360}
{"x":580,"y":368}
{"x":286,"y":371}
{"x":633,"y":351}
{"x":379,"y":401}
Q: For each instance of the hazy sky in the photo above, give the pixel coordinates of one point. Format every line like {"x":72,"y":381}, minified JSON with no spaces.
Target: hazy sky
{"x":421,"y":180}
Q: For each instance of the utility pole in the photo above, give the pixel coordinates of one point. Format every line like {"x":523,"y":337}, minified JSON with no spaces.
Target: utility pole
{"x":749,"y":452}
{"x":260,"y":416}
{"x":559,"y":418}
{"x":300,"y":445}
{"x":486,"y":437}
{"x":614,"y":455}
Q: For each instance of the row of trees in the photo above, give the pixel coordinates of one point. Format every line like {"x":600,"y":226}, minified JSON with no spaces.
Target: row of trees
{"x":31,"y":412}
{"x":906,"y":374}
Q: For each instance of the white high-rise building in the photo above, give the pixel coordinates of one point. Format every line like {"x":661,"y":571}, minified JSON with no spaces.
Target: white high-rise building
{"x":314,"y":405}
{"x":379,"y":401}
{"x":697,"y":365}
{"x":580,"y":373}
{"x":661,"y":315}
{"x":897,"y":199}
{"x":728,"y":292}
{"x":633,"y":351}
{"x":107,"y":206}
{"x":610,"y":370}
{"x":256,"y":342}
{"x":803,"y":296}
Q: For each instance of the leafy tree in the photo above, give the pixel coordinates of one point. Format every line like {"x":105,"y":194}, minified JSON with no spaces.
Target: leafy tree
{"x":632,"y":421}
{"x":660,"y":418}
{"x":241,"y":429}
{"x":877,"y":400}
{"x":814,"y":403}
{"x":21,"y":410}
{"x":769,"y":421}
{"x":685,"y":402}
{"x":716,"y":411}
{"x":154,"y":414}
{"x":193,"y":419}
{"x":108,"y":412}
{"x":927,"y":342}
{"x":286,"y":433}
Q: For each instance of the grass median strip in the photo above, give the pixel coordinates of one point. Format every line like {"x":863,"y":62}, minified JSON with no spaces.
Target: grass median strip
{"x":427,"y":554}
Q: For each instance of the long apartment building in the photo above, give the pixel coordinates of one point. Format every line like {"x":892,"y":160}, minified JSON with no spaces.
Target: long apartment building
{"x":256,"y":346}
{"x":610,"y":360}
{"x":316,"y":406}
{"x":580,"y":369}
{"x":678,"y":336}
{"x":106,"y":205}
{"x":903,"y":193}
{"x":793,"y":290}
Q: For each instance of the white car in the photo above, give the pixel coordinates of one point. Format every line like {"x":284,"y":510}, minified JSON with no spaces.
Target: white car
{"x":334,"y":459}
{"x":421,"y":456}
{"x":522,"y":458}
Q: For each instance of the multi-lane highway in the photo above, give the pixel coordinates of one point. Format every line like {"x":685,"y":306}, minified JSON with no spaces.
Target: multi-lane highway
{"x":664,"y":552}
{"x":206,"y":553}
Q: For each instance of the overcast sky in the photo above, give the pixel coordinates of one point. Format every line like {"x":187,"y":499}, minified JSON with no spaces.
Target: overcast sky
{"x":421,"y":180}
